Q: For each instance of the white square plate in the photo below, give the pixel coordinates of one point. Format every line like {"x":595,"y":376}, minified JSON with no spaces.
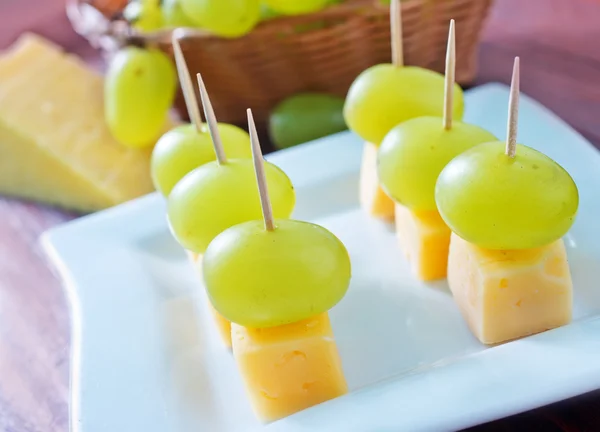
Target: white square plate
{"x":146,"y":357}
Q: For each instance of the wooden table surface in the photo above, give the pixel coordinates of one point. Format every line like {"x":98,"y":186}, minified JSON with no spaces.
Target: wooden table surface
{"x":559,"y":45}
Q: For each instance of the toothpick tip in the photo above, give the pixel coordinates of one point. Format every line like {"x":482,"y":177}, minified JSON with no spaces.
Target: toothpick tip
{"x":211,"y":119}
{"x":185,"y":80}
{"x":396,"y":33}
{"x":261,"y":178}
{"x":449,"y":78}
{"x":513,"y":111}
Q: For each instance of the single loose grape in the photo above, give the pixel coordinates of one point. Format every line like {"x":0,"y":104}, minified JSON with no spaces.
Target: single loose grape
{"x":385,"y":95}
{"x":304,"y":117}
{"x":413,"y":154}
{"x":214,"y":197}
{"x":498,"y":202}
{"x":259,"y":278}
{"x":174,"y":16}
{"x":182,"y":149}
{"x":295,"y":7}
{"x":144,"y":15}
{"x":226,"y":18}
{"x":139,"y":89}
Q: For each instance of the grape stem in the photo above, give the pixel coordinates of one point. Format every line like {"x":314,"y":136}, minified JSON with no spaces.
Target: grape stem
{"x":211,"y":119}
{"x":261,"y":178}
{"x":396,"y":33}
{"x":513,"y":112}
{"x":189,"y":93}
{"x":449,"y":78}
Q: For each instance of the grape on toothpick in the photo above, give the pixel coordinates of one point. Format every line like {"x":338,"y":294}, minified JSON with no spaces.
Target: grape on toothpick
{"x":186,"y":147}
{"x":222,"y":193}
{"x":413,"y":154}
{"x":214,"y":197}
{"x":271,"y":272}
{"x":387,"y":94}
{"x":504,"y":195}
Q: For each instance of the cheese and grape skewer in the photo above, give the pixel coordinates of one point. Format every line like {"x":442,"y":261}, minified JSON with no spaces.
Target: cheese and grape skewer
{"x":410,"y":158}
{"x":508,"y":206}
{"x":275,"y":279}
{"x":188,"y":146}
{"x":383,"y":96}
{"x":196,"y":208}
{"x":220,"y":194}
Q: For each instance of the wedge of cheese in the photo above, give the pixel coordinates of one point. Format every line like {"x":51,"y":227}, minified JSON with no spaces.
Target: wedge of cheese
{"x":222,"y":324}
{"x":372,"y":198}
{"x":54,"y":144}
{"x":508,"y":294}
{"x":289,"y":368}
{"x":425,"y":239}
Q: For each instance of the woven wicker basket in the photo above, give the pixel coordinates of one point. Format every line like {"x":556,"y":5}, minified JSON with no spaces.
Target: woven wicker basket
{"x":324,"y":51}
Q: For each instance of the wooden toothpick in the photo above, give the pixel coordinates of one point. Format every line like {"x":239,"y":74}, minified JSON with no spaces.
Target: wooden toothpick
{"x":396,"y":33}
{"x":513,"y":112}
{"x":189,"y":94}
{"x":261,"y":178}
{"x":209,"y":115}
{"x":449,"y":79}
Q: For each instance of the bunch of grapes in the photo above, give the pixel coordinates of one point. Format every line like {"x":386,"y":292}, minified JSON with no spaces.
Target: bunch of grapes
{"x":225,"y":18}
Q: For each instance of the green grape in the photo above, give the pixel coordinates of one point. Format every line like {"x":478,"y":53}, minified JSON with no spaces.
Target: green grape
{"x":385,"y":95}
{"x":174,"y":16}
{"x":144,"y":15}
{"x":296,"y":7}
{"x":139,"y":89}
{"x":226,"y":18}
{"x":413,"y":154}
{"x":182,"y":149}
{"x":498,"y":202}
{"x":214,"y":197}
{"x":305,"y":117}
{"x":259,"y":278}
{"x":266,"y":13}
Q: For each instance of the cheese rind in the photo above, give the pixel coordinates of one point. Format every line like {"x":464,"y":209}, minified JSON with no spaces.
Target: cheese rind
{"x":425,"y":240}
{"x":372,"y":198}
{"x":289,"y":368}
{"x":222,"y":324}
{"x":509,"y":294}
{"x":53,"y":129}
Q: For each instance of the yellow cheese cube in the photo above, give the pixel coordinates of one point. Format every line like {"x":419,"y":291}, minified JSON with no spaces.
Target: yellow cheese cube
{"x":289,"y":368}
{"x":223,"y":324}
{"x":54,"y":144}
{"x":372,"y":198}
{"x":508,"y":294}
{"x":425,"y":239}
